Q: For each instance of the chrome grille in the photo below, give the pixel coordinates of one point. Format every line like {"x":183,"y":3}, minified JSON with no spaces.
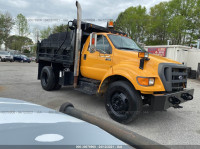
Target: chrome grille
{"x":173,"y":76}
{"x":179,"y":79}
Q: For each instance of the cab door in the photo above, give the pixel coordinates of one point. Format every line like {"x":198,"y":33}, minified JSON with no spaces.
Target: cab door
{"x":95,"y":64}
{"x":104,"y":49}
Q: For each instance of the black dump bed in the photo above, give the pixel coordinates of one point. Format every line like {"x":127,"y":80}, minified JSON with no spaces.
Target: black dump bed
{"x":58,"y":48}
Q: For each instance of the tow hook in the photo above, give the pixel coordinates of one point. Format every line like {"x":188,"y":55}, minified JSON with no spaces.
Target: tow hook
{"x":177,"y":107}
{"x":175,"y":101}
{"x":186,"y":96}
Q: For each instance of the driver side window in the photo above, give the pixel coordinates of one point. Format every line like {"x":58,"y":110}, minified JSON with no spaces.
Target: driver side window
{"x":103,"y":45}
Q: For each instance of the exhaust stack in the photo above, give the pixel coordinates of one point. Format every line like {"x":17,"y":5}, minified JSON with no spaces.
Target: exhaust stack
{"x":78,"y":44}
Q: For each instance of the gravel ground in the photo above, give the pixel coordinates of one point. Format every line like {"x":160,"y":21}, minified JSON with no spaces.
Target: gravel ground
{"x":171,"y":127}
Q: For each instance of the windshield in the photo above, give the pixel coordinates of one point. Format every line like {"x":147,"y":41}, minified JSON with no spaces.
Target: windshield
{"x":125,"y":43}
{"x":24,"y":56}
{"x":4,"y":53}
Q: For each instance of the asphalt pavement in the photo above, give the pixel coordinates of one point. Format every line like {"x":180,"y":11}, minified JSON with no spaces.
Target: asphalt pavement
{"x":171,"y":127}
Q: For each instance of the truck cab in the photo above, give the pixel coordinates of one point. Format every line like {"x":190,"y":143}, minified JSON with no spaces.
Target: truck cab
{"x":99,"y":60}
{"x":117,"y":55}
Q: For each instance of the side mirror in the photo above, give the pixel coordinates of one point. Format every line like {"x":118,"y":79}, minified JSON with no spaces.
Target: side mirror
{"x":71,"y":25}
{"x":93,"y":42}
{"x":110,"y":50}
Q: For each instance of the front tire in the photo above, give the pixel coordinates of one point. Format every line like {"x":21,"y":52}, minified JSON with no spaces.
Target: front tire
{"x":47,"y":78}
{"x":123,"y":102}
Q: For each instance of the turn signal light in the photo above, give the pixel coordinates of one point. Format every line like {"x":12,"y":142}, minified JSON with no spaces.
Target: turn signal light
{"x":143,"y":54}
{"x":146,"y":81}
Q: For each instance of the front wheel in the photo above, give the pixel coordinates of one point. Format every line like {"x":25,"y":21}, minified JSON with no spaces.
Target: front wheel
{"x":123,"y":102}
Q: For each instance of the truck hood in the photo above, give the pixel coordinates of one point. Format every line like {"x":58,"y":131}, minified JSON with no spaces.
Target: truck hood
{"x":155,"y":58}
{"x":128,"y":56}
{"x":23,"y":123}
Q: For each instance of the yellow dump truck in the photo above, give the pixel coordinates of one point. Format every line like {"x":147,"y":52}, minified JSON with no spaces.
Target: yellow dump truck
{"x":98,"y":60}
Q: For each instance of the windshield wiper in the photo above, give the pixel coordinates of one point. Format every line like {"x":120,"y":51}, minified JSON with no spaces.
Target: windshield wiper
{"x":129,"y":48}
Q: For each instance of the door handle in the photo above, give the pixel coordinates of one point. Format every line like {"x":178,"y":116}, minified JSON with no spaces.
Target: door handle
{"x":108,"y":59}
{"x":85,"y":57}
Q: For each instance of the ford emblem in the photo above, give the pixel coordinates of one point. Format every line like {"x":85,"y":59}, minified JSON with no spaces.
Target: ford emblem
{"x":180,"y":77}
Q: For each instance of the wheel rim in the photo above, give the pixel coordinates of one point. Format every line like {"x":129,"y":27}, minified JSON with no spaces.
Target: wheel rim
{"x":45,"y":78}
{"x":119,"y":103}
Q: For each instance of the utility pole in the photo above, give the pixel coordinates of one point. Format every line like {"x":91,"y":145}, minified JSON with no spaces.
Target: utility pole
{"x":168,"y":42}
{"x":198,"y":44}
{"x":37,"y":35}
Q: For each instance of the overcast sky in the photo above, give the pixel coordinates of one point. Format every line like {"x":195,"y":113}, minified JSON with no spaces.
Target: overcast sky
{"x":41,"y":13}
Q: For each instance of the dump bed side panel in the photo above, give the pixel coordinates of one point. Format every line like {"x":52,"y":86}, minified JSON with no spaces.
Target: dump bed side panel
{"x":58,"y":48}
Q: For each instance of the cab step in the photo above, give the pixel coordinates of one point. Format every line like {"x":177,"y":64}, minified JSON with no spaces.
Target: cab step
{"x":88,"y":86}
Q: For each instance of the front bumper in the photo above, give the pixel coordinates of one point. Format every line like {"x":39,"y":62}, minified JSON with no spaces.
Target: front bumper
{"x":7,"y":59}
{"x":27,"y":60}
{"x":160,"y":102}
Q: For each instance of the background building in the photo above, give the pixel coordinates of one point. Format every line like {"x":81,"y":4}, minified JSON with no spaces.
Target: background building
{"x":188,"y":56}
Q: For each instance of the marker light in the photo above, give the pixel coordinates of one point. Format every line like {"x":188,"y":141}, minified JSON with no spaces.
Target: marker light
{"x":110,"y":24}
{"x":93,"y":41}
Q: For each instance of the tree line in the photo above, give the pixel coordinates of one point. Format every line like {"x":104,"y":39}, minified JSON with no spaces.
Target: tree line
{"x":16,"y":42}
{"x":176,"y":20}
{"x":52,"y":30}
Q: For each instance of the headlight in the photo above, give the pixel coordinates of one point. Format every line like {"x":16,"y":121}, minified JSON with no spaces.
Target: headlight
{"x":144,"y":81}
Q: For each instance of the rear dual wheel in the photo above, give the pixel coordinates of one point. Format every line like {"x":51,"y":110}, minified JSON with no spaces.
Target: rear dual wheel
{"x":123,"y":102}
{"x":50,"y":79}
